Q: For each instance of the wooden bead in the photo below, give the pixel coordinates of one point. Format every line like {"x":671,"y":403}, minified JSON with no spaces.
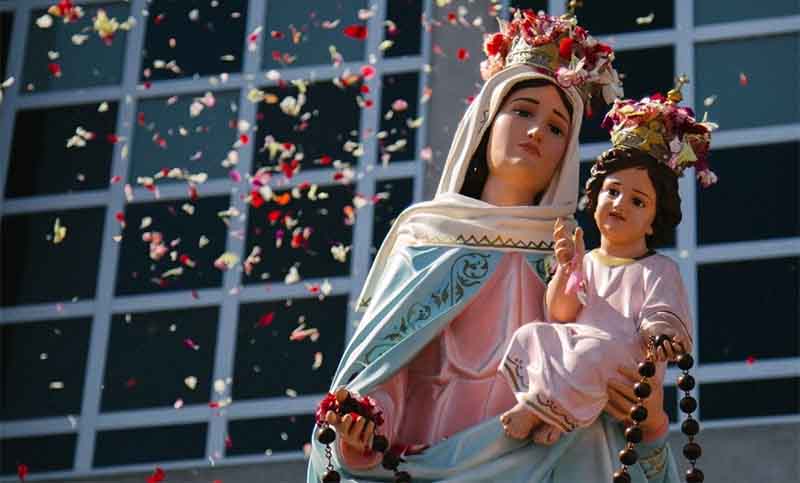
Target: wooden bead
{"x":686,"y":382}
{"x":326,"y":435}
{"x":402,"y":477}
{"x":331,"y":476}
{"x":642,"y":390}
{"x":688,"y":404}
{"x":638,"y":413}
{"x":685,"y":362}
{"x":692,"y":451}
{"x":690,"y":427}
{"x":694,"y":475}
{"x":380,"y":443}
{"x":628,"y":456}
{"x":647,"y":369}
{"x":622,"y":476}
{"x":633,"y":434}
{"x":390,"y":461}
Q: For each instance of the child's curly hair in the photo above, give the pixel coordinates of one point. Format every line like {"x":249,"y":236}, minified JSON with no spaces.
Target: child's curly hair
{"x":668,"y":200}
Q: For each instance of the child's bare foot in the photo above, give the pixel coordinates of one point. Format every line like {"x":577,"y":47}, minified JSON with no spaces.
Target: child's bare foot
{"x":518,"y":421}
{"x":546,"y":434}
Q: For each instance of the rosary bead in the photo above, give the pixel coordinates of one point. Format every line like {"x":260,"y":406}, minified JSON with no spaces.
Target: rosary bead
{"x":642,"y":390}
{"x":690,"y":427}
{"x":692,"y":451}
{"x":694,"y":475}
{"x":638,"y":413}
{"x":647,"y":369}
{"x":326,"y":435}
{"x":659,"y":340}
{"x":628,"y":456}
{"x":380,"y":443}
{"x":686,"y":382}
{"x":688,"y":404}
{"x":331,"y":476}
{"x":633,"y":434}
{"x":685,"y":362}
{"x":390,"y":461}
{"x":622,"y":476}
{"x":402,"y":477}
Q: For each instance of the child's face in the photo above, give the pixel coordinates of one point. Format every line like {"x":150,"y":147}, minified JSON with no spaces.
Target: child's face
{"x":626,"y":207}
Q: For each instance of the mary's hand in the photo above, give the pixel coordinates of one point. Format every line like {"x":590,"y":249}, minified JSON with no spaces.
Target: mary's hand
{"x":621,"y":398}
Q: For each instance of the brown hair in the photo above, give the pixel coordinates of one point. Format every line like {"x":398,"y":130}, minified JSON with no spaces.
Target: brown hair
{"x":478,"y":169}
{"x":665,"y":182}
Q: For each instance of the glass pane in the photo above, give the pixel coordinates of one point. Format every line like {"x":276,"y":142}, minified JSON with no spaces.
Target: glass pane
{"x":191,"y":229}
{"x":41,"y":161}
{"x":37,"y":270}
{"x":147,"y":445}
{"x":269,"y":435}
{"x":268,"y":363}
{"x":190,"y":132}
{"x":300,"y":32}
{"x":394,"y":196}
{"x":645,"y":71}
{"x":176,"y":28}
{"x":6,"y":22}
{"x":152,"y":355}
{"x":319,"y":130}
{"x":735,"y":195}
{"x":600,"y":18}
{"x":39,"y":453}
{"x":706,"y":12}
{"x":399,"y":110}
{"x":748,"y":86}
{"x":405,"y":27}
{"x":83,"y":58}
{"x":43,"y":368}
{"x":771,"y":397}
{"x":306,"y":230}
{"x":767,"y":290}
{"x":591,"y":235}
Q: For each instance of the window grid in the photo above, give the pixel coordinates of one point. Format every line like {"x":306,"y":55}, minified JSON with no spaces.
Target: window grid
{"x":690,"y":256}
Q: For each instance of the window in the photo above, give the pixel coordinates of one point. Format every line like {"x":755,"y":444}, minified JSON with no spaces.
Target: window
{"x":300,"y":234}
{"x":734,"y":10}
{"x":748,"y":89}
{"x":176,"y":28}
{"x":191,"y":132}
{"x":37,"y":269}
{"x":763,"y":197}
{"x":158,"y":358}
{"x":399,"y":110}
{"x":192,"y":238}
{"x":49,"y":155}
{"x":55,"y":59}
{"x":731,"y":296}
{"x":148,"y":445}
{"x":404,"y":29}
{"x":769,"y":397}
{"x":316,"y":134}
{"x":269,"y":435}
{"x":267,"y":361}
{"x":39,"y":453}
{"x":644,"y":72}
{"x":299,"y":33}
{"x":394,"y":196}
{"x":43,"y":368}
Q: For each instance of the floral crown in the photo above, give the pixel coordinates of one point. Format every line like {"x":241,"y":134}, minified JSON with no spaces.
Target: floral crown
{"x":558,"y":47}
{"x":664,"y":130}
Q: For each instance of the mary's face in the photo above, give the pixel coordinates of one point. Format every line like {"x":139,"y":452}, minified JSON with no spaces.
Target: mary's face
{"x":528,"y":138}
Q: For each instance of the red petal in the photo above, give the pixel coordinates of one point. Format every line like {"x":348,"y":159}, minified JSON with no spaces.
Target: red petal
{"x":266,"y":319}
{"x":274,"y":216}
{"x":565,"y":48}
{"x":358,"y":32}
{"x":462,"y":54}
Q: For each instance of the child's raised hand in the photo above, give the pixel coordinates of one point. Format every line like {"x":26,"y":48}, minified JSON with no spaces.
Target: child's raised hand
{"x":566,"y":245}
{"x":670,"y":349}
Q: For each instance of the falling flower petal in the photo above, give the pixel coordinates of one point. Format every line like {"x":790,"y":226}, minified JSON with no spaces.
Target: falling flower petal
{"x":647,"y":20}
{"x":191,"y":382}
{"x":743,"y":80}
{"x":357,"y":32}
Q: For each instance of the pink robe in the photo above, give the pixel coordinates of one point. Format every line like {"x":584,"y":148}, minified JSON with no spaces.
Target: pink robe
{"x":561,"y":371}
{"x":453,"y":383}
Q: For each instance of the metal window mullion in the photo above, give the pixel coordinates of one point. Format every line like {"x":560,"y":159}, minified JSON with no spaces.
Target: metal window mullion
{"x":68,"y":97}
{"x":369,"y":126}
{"x":734,"y":138}
{"x":19,"y":36}
{"x":64,"y":201}
{"x":227,"y":327}
{"x":746,"y":29}
{"x":45,"y":311}
{"x":422,"y":108}
{"x":686,"y":243}
{"x":109,"y":256}
{"x":748,"y":250}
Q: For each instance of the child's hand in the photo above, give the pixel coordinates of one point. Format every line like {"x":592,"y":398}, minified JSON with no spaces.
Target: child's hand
{"x":670,"y":349}
{"x":565,"y":245}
